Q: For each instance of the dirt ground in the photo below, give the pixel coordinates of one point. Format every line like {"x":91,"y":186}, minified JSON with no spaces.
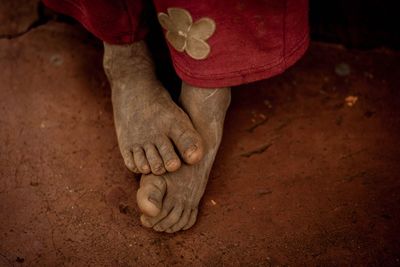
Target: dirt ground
{"x":301,"y":179}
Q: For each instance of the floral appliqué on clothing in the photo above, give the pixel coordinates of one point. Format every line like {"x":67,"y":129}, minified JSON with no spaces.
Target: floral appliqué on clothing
{"x":185,"y":35}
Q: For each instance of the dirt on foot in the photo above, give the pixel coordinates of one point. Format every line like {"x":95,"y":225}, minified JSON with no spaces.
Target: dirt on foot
{"x":305,"y":174}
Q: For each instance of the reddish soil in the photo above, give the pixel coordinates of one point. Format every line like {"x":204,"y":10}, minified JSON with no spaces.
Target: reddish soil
{"x":301,"y":178}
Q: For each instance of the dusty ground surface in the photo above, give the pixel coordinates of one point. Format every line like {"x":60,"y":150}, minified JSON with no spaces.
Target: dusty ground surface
{"x":17,"y":16}
{"x":301,"y":178}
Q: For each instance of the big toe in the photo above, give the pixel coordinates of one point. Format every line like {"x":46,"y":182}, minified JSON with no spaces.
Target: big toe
{"x":150,"y":194}
{"x":189,"y":144}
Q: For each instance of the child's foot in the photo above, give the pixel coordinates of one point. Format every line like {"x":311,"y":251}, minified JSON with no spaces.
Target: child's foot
{"x":148,"y":123}
{"x":170,"y":202}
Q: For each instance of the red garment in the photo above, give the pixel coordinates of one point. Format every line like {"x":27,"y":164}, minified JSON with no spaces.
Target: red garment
{"x":253,"y":40}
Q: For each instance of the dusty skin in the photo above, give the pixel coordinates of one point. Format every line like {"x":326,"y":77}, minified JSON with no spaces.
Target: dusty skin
{"x":148,"y":123}
{"x":170,"y":202}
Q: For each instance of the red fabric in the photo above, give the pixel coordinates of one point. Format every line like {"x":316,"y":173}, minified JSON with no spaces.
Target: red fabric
{"x":113,"y":21}
{"x":254,"y":39}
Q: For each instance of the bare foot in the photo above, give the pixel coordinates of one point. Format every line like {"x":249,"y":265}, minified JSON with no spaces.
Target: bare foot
{"x":148,"y":123}
{"x":170,"y":202}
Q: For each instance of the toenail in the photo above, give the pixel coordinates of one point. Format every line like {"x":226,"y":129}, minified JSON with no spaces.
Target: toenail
{"x":189,"y":152}
{"x":172,"y":163}
{"x":146,"y":168}
{"x":154,"y":200}
{"x":159,"y":168}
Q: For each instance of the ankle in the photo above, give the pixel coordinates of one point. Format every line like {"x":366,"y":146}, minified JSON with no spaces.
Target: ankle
{"x":130,"y":69}
{"x":206,"y":104}
{"x":121,"y":61}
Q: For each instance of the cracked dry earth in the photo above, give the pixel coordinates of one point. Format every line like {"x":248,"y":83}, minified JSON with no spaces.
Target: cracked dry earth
{"x":301,"y":177}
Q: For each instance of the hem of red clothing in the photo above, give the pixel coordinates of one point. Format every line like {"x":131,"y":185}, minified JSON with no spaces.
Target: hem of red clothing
{"x":246,"y":75}
{"x":70,"y":9}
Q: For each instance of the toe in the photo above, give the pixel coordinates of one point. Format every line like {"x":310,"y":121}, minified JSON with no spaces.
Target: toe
{"x":146,"y":221}
{"x":189,"y":144}
{"x":154,"y":159}
{"x":150,"y":195}
{"x":129,"y":161}
{"x":172,"y":218}
{"x":192,"y":219}
{"x":140,"y":160}
{"x":181,"y":223}
{"x":169,"y":157}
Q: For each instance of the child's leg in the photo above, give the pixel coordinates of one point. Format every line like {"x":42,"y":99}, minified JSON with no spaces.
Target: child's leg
{"x":148,"y":123}
{"x":176,"y":196}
